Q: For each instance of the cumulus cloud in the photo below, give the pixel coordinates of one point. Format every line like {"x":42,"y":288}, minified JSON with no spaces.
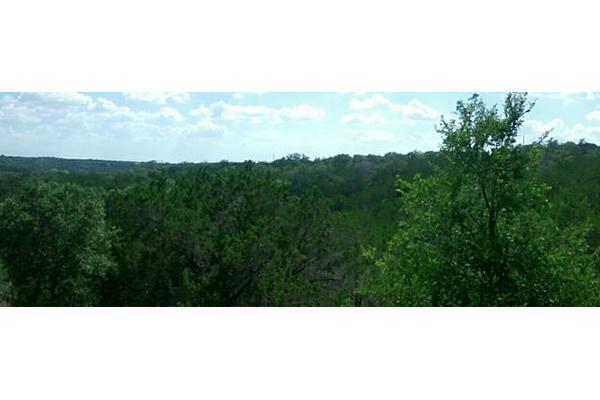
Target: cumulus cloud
{"x":64,"y":117}
{"x":402,"y":123}
{"x":201,"y":111}
{"x":60,"y":98}
{"x":216,"y":115}
{"x":170,"y":113}
{"x":559,"y":130}
{"x":60,"y":114}
{"x":14,"y":111}
{"x":302,"y":111}
{"x":366,"y":119}
{"x":32,"y":108}
{"x":413,"y":108}
{"x":593,"y":116}
{"x":567,"y":97}
{"x":541,"y":127}
{"x":369,"y":103}
{"x":204,"y":119}
{"x":159,"y":98}
{"x":580,"y":131}
{"x":261,"y":114}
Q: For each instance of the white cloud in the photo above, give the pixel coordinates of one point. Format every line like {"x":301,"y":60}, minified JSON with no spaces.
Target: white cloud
{"x":412,"y":109}
{"x":302,"y":111}
{"x":366,"y":119}
{"x":593,"y":116}
{"x":11,"y":110}
{"x":204,"y":128}
{"x":159,"y":98}
{"x":567,"y":97}
{"x":369,"y":103}
{"x":170,"y":113}
{"x":63,"y":98}
{"x":204,"y":120}
{"x":564,"y":133}
{"x":261,"y":114}
{"x":411,"y":119}
{"x":233,"y":112}
{"x":35,"y":107}
{"x":201,"y":111}
{"x":109,"y":110}
{"x":541,"y":127}
{"x":60,"y":114}
{"x":82,"y":114}
{"x":580,"y":131}
{"x":415,"y":108}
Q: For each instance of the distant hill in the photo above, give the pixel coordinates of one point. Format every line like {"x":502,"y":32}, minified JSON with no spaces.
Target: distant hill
{"x":53,"y":164}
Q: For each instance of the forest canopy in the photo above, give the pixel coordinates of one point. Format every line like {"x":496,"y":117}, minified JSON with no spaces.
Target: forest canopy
{"x":484,"y":221}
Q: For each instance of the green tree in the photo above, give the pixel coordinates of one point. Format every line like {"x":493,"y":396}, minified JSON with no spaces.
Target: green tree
{"x":54,"y":245}
{"x":219,"y":238}
{"x":480,"y":232}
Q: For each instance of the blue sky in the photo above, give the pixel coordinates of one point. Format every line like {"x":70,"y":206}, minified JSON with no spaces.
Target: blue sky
{"x":177,"y":126}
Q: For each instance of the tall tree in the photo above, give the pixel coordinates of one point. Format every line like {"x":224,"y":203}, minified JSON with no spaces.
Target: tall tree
{"x":479,"y":232}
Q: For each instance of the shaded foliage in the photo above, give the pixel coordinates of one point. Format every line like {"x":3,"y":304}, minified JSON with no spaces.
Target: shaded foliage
{"x":55,"y":245}
{"x":232,"y":238}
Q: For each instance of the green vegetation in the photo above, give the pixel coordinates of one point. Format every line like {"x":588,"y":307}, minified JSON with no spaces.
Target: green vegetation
{"x":480,"y":232}
{"x":485,"y":221}
{"x":55,"y":244}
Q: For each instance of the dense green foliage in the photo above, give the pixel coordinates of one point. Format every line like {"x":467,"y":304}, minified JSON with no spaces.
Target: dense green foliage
{"x":55,"y":245}
{"x":234,"y":238}
{"x":484,"y":221}
{"x":480,"y":232}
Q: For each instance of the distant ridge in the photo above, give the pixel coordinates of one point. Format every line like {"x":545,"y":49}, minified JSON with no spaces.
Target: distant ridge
{"x":33,"y":164}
